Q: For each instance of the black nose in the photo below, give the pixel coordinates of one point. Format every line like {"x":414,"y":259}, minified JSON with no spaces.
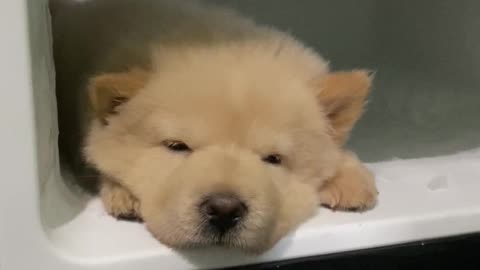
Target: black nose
{"x":223,"y":211}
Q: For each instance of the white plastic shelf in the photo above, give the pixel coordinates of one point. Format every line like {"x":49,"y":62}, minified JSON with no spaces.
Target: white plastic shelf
{"x":419,"y":199}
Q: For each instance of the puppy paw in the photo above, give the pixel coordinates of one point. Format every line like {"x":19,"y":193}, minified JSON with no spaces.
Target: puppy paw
{"x":119,"y":202}
{"x":352,"y":188}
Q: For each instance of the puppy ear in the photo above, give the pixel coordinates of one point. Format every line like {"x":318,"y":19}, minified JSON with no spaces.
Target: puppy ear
{"x":342,"y":96}
{"x":108,"y":91}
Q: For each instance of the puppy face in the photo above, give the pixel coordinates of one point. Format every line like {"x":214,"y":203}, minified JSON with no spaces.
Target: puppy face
{"x":225,"y":145}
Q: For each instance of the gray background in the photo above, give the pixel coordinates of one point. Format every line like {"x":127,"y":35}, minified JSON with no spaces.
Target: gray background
{"x":426,"y":98}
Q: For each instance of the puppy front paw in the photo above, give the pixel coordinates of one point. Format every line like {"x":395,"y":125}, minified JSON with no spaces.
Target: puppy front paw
{"x":119,"y":202}
{"x":352,"y":188}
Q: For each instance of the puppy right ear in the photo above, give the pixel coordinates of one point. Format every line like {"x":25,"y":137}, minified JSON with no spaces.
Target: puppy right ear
{"x":342,"y":96}
{"x":110,"y":90}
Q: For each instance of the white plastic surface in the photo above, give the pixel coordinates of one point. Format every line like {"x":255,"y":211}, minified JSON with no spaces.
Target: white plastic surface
{"x":45,"y":225}
{"x":419,"y":199}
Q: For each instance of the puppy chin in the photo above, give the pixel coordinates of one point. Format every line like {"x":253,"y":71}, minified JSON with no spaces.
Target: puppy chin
{"x":194,"y":240}
{"x":250,"y":236}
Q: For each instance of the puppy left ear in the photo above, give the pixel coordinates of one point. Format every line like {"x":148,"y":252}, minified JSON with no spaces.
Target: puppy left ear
{"x":110,"y":90}
{"x":342,"y":96}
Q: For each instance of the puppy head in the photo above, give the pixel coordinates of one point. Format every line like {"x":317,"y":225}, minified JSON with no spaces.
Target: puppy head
{"x":224,"y":145}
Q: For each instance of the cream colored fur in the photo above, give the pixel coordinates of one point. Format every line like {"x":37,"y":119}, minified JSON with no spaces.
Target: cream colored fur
{"x":233,"y":91}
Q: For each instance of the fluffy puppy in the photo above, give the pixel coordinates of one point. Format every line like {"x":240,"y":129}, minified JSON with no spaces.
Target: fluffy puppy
{"x":212,"y":129}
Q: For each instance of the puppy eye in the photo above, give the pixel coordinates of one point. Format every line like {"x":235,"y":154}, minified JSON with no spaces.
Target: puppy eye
{"x":274,"y":159}
{"x":177,"y":146}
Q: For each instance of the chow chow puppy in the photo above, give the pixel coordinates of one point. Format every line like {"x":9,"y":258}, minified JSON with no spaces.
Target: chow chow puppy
{"x":210,"y":128}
